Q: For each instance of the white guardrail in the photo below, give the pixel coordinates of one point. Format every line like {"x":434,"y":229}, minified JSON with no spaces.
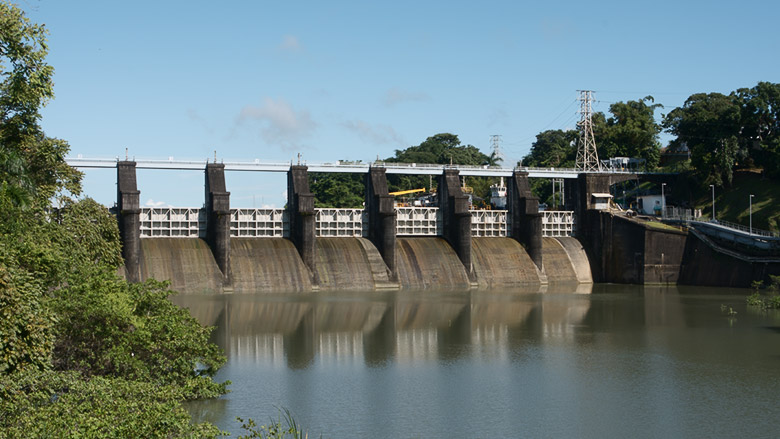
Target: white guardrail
{"x":261,"y":223}
{"x":489,"y":223}
{"x":417,"y":221}
{"x":557,"y":223}
{"x":188,"y":222}
{"x":340,"y":223}
{"x":172,"y":222}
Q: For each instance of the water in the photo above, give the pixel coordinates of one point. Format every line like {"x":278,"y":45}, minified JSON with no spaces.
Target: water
{"x":624,"y":361}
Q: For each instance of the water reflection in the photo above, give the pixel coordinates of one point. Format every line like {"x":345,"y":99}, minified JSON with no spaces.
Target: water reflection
{"x":616,"y":360}
{"x":376,"y":328}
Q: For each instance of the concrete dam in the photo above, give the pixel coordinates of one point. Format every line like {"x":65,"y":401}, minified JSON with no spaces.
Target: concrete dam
{"x":445,"y":248}
{"x":273,"y":265}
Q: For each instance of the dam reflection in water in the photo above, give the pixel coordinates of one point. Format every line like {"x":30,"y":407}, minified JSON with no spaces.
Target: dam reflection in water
{"x":495,"y":364}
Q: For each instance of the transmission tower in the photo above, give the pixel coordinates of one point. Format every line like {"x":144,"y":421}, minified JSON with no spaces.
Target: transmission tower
{"x":587,"y":156}
{"x":495,"y":145}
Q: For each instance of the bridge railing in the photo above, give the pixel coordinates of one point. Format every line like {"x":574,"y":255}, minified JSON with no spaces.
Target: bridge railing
{"x":172,"y":222}
{"x":557,"y":223}
{"x":340,"y":223}
{"x":418,"y":221}
{"x":486,"y":223}
{"x":259,"y":223}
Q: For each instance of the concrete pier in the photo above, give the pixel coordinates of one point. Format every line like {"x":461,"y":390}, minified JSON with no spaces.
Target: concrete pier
{"x":218,"y":218}
{"x":129,"y":216}
{"x":525,"y":218}
{"x":456,"y":218}
{"x":300,"y":205}
{"x":381,"y":218}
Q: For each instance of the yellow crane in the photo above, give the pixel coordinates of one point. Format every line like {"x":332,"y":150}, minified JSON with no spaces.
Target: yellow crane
{"x":410,"y":191}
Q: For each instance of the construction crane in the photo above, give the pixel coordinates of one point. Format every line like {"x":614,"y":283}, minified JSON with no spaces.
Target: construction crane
{"x":410,"y":191}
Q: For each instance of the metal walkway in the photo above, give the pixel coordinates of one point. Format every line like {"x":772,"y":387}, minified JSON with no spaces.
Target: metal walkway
{"x":339,"y":167}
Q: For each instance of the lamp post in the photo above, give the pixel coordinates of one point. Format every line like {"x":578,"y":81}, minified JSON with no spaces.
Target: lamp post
{"x":663,"y":201}
{"x":713,"y":201}
{"x":751,"y":213}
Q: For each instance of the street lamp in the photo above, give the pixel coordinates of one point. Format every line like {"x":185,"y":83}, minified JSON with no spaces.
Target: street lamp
{"x":663,"y":201}
{"x":751,"y":213}
{"x":713,"y":201}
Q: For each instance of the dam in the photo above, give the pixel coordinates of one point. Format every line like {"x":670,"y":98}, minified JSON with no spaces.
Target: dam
{"x":216,"y":249}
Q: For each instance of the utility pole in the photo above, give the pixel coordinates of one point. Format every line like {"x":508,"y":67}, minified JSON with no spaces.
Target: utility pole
{"x":587,"y":156}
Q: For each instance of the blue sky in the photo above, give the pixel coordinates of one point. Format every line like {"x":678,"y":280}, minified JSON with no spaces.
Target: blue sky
{"x":358,"y":80}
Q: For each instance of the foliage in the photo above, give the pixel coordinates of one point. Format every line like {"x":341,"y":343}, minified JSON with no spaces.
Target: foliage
{"x":708,"y":126}
{"x":770,"y":301}
{"x":33,"y":165}
{"x":760,"y":124}
{"x":337,"y":190}
{"x":111,"y":328}
{"x":631,"y":132}
{"x":442,"y":149}
{"x":26,"y":324}
{"x":553,"y":149}
{"x":348,"y":191}
{"x":82,"y":352}
{"x":65,"y":404}
{"x":724,"y":132}
{"x":275,"y":429}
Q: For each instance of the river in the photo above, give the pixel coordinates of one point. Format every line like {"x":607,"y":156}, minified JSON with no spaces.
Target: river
{"x":585,"y":361}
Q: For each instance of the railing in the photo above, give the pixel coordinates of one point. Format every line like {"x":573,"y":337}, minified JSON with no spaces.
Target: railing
{"x":417,"y":221}
{"x":172,"y":222}
{"x":185,"y":222}
{"x":261,"y":223}
{"x":340,"y":222}
{"x":488,"y":223}
{"x":745,"y":229}
{"x":557,"y":223}
{"x":676,"y":213}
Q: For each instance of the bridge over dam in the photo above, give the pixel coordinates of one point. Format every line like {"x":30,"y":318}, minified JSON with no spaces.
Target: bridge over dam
{"x":297,"y":249}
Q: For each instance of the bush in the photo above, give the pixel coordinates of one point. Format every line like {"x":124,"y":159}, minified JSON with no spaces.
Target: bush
{"x":65,"y":404}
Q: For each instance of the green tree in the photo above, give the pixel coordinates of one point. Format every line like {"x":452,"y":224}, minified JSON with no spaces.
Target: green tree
{"x":442,"y":149}
{"x":342,"y":191}
{"x":37,"y":161}
{"x":82,"y":352}
{"x":708,"y":125}
{"x":760,"y":121}
{"x":553,"y":149}
{"x":631,"y":132}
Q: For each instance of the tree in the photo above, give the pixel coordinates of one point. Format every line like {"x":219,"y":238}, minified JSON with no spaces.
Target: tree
{"x":632,"y":132}
{"x":38,"y":162}
{"x":708,"y":125}
{"x":442,"y":149}
{"x":760,"y":121}
{"x":74,"y":336}
{"x":553,"y":149}
{"x":341,"y":191}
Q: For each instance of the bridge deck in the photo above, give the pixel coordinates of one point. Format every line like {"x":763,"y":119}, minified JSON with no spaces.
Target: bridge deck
{"x":340,"y":167}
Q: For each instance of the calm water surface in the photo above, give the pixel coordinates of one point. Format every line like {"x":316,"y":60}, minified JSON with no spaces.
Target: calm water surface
{"x":622,"y":361}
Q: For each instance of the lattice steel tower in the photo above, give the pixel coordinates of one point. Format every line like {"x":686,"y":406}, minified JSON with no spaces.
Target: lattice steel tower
{"x":495,"y":145}
{"x":587,"y":156}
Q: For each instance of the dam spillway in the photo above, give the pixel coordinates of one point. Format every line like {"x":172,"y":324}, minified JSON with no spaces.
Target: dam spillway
{"x":272,"y":265}
{"x":301,"y":248}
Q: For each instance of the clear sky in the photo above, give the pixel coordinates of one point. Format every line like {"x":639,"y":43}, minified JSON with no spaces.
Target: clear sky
{"x":358,"y":80}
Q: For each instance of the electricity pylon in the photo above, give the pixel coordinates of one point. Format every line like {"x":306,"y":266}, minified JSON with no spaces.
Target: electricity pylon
{"x":587,"y":156}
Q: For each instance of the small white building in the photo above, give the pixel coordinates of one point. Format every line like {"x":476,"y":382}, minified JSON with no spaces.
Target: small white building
{"x":650,"y":204}
{"x":600,"y":201}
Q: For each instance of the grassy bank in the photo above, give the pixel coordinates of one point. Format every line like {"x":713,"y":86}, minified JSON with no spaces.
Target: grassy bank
{"x":732,"y":203}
